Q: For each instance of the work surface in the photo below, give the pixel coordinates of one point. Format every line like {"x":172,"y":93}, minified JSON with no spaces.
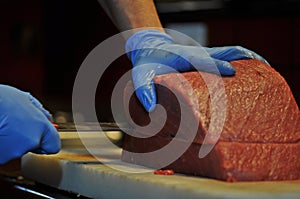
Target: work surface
{"x":75,"y":170}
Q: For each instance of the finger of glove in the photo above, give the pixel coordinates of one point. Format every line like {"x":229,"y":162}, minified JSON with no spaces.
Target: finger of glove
{"x":231,"y":53}
{"x":224,"y":67}
{"x":38,"y":105}
{"x":211,"y":65}
{"x":183,"y":59}
{"x":147,"y":96}
{"x":164,"y":61}
{"x":144,"y":87}
{"x":50,"y":142}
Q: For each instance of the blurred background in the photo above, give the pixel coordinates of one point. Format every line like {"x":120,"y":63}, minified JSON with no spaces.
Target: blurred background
{"x":43,"y":43}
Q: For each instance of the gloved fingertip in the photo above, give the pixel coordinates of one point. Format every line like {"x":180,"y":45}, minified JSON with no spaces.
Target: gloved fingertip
{"x":151,"y":107}
{"x":50,"y":143}
{"x":39,"y":151}
{"x":266,"y":62}
{"x":260,"y":58}
{"x":225,"y":68}
{"x":147,"y":96}
{"x":148,"y":103}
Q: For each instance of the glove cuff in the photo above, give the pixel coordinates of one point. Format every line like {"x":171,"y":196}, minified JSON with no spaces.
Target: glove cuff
{"x":146,"y":39}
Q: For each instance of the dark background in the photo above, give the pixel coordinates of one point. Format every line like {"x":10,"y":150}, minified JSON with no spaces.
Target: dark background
{"x":43,"y":43}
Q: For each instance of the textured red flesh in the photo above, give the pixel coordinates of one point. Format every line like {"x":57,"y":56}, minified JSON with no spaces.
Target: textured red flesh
{"x":261,"y":134}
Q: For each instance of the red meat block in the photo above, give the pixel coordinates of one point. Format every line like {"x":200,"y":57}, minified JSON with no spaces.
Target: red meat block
{"x":251,"y":121}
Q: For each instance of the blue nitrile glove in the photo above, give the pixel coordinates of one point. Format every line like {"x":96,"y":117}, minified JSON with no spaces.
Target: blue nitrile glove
{"x":24,"y":125}
{"x":151,"y":50}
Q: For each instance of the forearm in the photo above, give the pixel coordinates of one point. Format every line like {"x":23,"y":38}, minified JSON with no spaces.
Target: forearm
{"x":130,"y":14}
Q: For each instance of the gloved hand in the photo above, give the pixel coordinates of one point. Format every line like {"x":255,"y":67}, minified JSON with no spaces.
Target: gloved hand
{"x":24,"y":125}
{"x":150,"y":51}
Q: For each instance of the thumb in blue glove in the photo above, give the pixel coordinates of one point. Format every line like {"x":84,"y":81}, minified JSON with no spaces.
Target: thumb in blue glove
{"x":150,"y":51}
{"x":24,"y":125}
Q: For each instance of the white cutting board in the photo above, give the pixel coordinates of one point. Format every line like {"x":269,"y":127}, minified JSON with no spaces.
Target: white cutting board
{"x":75,"y":170}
